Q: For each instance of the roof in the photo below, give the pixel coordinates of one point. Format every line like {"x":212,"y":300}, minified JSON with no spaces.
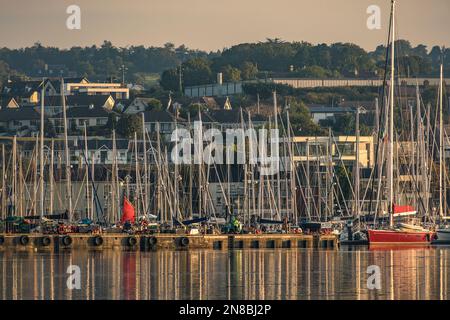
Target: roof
{"x":158,"y":116}
{"x":327,"y":109}
{"x":95,"y":144}
{"x":22,"y":88}
{"x":85,"y":112}
{"x":78,"y":100}
{"x":24,"y":113}
{"x":56,"y":82}
{"x":5,"y":101}
{"x":354,"y":104}
{"x":234,"y":116}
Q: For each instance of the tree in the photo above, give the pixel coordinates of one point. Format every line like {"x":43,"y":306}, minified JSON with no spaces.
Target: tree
{"x":301,"y":120}
{"x":231,"y":74}
{"x":249,"y":71}
{"x":196,"y":71}
{"x":154,"y":104}
{"x":170,"y":80}
{"x":128,"y":125}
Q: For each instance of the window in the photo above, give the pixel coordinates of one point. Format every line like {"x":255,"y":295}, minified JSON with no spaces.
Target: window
{"x":345,"y":148}
{"x":100,"y":122}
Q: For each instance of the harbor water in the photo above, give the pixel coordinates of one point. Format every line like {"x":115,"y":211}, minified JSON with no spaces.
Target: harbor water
{"x":291,"y":274}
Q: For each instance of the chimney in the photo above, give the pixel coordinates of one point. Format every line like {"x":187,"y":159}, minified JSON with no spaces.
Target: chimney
{"x":219,"y":78}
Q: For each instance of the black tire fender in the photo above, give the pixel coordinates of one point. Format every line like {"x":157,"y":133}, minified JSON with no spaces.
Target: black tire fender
{"x":98,"y":241}
{"x":24,"y":240}
{"x":46,"y":241}
{"x":131,"y":241}
{"x":66,"y":240}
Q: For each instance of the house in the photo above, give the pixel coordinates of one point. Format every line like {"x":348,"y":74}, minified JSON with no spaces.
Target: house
{"x":15,"y":119}
{"x":232,"y":119}
{"x":139,"y":104}
{"x":165,"y":120}
{"x":321,"y":112}
{"x":28,"y":92}
{"x":56,"y":82}
{"x":84,"y":87}
{"x":53,"y":105}
{"x":100,"y":151}
{"x":77,"y":117}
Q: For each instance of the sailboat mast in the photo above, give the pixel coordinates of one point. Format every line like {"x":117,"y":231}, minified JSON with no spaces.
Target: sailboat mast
{"x":391,"y":123}
{"x":275,"y":109}
{"x":357,"y":178}
{"x":66,"y":149}
{"x":441,"y":146}
{"x":51,"y":175}
{"x":146,"y":176}
{"x":3,"y":183}
{"x":86,"y":157}
{"x":41,"y":154}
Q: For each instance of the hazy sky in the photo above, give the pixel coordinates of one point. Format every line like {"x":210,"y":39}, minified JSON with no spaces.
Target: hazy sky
{"x":215,"y":24}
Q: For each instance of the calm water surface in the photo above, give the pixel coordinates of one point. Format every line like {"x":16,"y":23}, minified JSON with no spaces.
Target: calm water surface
{"x":420,"y":273}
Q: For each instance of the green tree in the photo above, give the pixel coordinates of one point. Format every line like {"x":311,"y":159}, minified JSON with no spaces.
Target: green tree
{"x":154,"y":104}
{"x":231,"y":74}
{"x":128,"y":125}
{"x":301,"y":120}
{"x":170,"y":80}
{"x":249,"y":71}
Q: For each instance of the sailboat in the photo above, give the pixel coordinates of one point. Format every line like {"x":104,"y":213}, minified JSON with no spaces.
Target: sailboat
{"x":402,"y":234}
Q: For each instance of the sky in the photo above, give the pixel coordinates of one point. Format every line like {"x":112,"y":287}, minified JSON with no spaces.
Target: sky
{"x":213,"y":24}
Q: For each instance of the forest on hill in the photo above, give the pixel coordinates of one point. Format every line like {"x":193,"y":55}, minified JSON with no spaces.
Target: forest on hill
{"x":240,"y":62}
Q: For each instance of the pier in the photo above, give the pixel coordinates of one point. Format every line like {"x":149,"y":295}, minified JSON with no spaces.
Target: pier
{"x":56,"y":243}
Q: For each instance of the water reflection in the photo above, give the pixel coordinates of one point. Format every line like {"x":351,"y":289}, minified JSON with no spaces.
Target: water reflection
{"x":418,"y":273}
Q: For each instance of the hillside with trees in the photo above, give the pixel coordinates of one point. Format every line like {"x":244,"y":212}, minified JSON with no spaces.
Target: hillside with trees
{"x":246,"y":61}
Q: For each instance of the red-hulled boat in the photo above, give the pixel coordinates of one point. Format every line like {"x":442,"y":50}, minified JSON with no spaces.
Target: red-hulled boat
{"x":403,"y":234}
{"x":396,"y":237}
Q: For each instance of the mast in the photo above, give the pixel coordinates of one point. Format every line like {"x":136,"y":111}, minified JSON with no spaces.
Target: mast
{"x":86,"y":169}
{"x":175,"y":176}
{"x":136,"y":163}
{"x":146,"y":176}
{"x":66,"y":150}
{"x":3,"y":183}
{"x":14,"y":177}
{"x":357,"y":184}
{"x":114,"y":210}
{"x":191,"y":175}
{"x":41,"y":155}
{"x":275,"y":109}
{"x":51,"y":175}
{"x":441,"y":146}
{"x":291,"y":167}
{"x":159,"y":177}
{"x":391,"y":124}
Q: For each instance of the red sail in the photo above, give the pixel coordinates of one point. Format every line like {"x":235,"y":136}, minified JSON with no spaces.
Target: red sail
{"x":127,"y":211}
